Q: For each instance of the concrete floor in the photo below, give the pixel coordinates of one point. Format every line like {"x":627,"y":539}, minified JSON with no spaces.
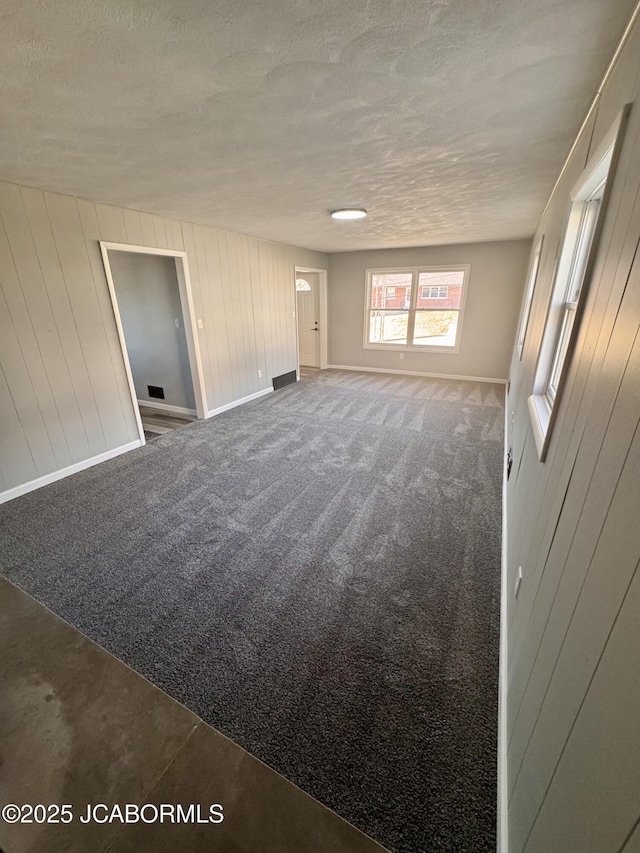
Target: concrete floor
{"x":79,"y":727}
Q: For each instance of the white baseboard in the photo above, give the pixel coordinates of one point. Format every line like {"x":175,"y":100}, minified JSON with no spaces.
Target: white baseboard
{"x":417,"y":373}
{"x":16,"y":491}
{"x":165,"y":407}
{"x":239,"y":402}
{"x":503,"y":786}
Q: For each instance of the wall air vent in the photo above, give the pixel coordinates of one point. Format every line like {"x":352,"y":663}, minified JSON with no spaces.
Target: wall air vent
{"x":156,"y":391}
{"x":284,"y":379}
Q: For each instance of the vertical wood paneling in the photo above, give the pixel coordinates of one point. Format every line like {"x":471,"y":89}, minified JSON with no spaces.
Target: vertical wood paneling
{"x":200,"y":298}
{"x":22,"y":364}
{"x":72,"y":377}
{"x":160,"y":232}
{"x":610,"y":426}
{"x":19,"y":391}
{"x":133,"y":227}
{"x":608,"y":768}
{"x":258,"y":310}
{"x":63,"y":387}
{"x":111,"y":221}
{"x":233,"y":309}
{"x":148,"y":230}
{"x":67,"y":330}
{"x":71,"y":249}
{"x":30,"y":310}
{"x":574,"y":648}
{"x":227,"y":312}
{"x":122,"y":421}
{"x":16,"y":460}
{"x":176,"y":241}
{"x":266,"y":276}
{"x":218,"y":318}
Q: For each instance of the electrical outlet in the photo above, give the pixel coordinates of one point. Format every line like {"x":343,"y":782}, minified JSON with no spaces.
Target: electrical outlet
{"x":293,"y":314}
{"x":516,"y":587}
{"x":401,"y":356}
{"x":259,"y":374}
{"x":177,"y":322}
{"x":200,"y":324}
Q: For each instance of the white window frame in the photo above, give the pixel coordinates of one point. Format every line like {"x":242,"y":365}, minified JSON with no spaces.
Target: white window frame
{"x":578,"y":251}
{"x":415,"y":275}
{"x":528,"y":295}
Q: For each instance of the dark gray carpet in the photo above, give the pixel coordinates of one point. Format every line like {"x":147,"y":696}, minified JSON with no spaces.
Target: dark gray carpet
{"x":317,"y":575}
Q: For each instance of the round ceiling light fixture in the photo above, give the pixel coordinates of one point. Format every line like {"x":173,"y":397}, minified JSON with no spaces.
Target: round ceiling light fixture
{"x":349,"y":213}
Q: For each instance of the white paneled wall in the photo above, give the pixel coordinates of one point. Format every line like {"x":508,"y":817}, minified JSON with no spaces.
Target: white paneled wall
{"x":64,"y":397}
{"x":573,"y":706}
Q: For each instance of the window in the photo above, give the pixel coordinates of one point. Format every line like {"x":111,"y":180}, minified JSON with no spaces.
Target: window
{"x":584,"y":238}
{"x":435,"y":292}
{"x":419,"y":309}
{"x":575,"y":263}
{"x":528,"y":296}
{"x":302,"y":284}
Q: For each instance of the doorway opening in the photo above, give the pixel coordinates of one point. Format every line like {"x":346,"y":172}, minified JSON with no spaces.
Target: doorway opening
{"x":153,"y":308}
{"x":311,"y":319}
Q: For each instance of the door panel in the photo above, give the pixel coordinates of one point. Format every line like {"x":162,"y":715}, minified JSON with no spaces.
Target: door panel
{"x":308,"y":322}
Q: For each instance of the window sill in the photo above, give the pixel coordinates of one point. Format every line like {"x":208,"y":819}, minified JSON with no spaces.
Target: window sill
{"x":444,"y":350}
{"x":540,"y":414}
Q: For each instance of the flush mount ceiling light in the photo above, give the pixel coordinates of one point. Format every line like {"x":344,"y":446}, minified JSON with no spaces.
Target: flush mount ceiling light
{"x":349,"y":213}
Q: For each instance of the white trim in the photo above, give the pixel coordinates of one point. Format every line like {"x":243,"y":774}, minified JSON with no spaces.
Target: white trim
{"x":188,"y":312}
{"x":16,"y":491}
{"x":191,"y":333}
{"x":142,"y":250}
{"x":595,"y":182}
{"x":322,"y":302}
{"x":415,"y":276}
{"x":416,"y":373}
{"x":503,"y":686}
{"x":239,"y":402}
{"x":540,"y":415}
{"x":165,"y":407}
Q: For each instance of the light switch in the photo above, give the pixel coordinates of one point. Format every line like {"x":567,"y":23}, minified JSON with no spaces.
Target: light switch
{"x":200,"y":325}
{"x":177,"y":322}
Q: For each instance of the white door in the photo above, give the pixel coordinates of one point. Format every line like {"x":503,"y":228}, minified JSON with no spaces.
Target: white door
{"x":308,"y":318}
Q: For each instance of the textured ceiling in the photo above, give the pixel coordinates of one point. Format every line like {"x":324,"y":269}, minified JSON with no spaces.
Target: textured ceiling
{"x":447,"y":119}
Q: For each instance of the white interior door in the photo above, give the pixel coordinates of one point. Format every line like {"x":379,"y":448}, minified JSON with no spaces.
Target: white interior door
{"x":308,"y":314}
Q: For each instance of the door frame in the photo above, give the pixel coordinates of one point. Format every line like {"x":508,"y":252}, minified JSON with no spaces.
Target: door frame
{"x":322,"y":306}
{"x":188,"y":316}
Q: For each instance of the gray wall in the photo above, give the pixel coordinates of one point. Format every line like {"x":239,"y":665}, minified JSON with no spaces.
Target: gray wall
{"x":573,"y":525}
{"x":64,"y":396}
{"x":495,"y":290}
{"x":149,"y":303}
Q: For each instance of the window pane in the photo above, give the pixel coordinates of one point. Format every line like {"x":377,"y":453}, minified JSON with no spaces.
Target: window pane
{"x":391,"y":290}
{"x":585,"y":238}
{"x":440,"y":290}
{"x":388,"y":327}
{"x":435,"y":328}
{"x":561,"y":352}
